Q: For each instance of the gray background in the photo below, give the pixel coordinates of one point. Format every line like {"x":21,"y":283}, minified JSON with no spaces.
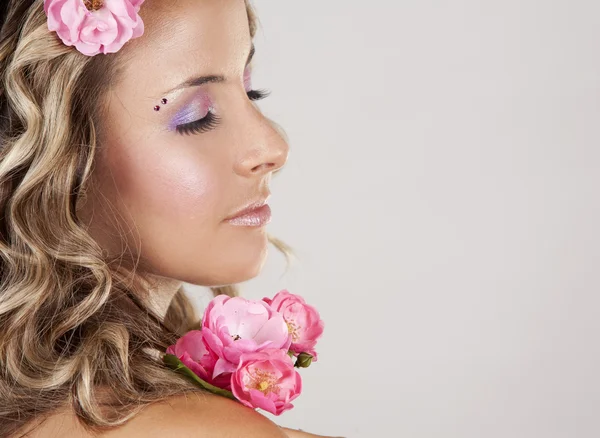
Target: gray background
{"x":442,"y":195}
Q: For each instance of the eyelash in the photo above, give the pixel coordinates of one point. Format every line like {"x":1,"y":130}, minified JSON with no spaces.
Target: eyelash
{"x":211,"y":120}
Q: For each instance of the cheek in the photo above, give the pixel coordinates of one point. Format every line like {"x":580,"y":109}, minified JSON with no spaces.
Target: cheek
{"x":174,"y":187}
{"x":186,"y":188}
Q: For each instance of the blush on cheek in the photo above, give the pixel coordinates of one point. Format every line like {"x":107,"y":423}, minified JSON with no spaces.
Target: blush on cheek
{"x":168,"y":185}
{"x":191,"y":190}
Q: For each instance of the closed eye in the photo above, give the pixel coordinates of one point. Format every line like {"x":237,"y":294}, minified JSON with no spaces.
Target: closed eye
{"x":211,"y":120}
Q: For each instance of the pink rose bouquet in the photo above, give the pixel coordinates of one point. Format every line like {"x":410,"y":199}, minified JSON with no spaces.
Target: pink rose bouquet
{"x":249,"y":350}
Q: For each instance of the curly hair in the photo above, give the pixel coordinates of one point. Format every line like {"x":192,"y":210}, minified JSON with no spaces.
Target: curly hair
{"x":71,"y":319}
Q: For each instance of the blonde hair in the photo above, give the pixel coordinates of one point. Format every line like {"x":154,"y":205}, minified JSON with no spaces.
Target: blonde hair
{"x":71,"y":320}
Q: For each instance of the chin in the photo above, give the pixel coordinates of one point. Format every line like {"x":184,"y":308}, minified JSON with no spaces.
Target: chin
{"x":247,"y":271}
{"x":232,"y":271}
{"x":226,"y":279}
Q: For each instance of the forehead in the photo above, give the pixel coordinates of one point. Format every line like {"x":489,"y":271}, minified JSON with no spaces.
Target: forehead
{"x":187,"y":37}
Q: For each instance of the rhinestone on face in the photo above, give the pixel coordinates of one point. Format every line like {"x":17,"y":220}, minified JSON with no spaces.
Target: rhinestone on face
{"x":156,"y":108}
{"x":164,"y":101}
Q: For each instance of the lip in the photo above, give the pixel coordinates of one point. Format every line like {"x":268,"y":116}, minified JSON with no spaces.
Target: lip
{"x":250,"y":209}
{"x":256,"y":217}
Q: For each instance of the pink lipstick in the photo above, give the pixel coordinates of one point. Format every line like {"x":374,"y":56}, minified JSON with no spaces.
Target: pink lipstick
{"x":255,"y":217}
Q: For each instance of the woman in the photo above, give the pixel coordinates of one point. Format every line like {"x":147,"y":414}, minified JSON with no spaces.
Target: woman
{"x":131,"y":149}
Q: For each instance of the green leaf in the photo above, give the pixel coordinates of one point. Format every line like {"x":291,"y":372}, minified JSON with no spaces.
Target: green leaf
{"x":176,"y":365}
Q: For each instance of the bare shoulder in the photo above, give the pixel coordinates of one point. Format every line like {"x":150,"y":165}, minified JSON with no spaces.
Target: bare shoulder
{"x":198,"y":416}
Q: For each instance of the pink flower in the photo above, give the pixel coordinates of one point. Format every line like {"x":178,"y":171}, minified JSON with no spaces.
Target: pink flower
{"x":233,"y":326}
{"x":191,"y":350}
{"x":103,"y":30}
{"x":303,"y":320}
{"x":266,"y":380}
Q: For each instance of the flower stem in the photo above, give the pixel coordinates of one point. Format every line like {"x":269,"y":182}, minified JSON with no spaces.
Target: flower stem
{"x":175,"y":364}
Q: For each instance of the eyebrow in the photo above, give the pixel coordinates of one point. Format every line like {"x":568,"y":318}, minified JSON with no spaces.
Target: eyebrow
{"x":200,"y":80}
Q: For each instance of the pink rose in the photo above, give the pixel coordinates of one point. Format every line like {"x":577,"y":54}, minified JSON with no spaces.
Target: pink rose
{"x":233,"y":326}
{"x":104,"y":30}
{"x":303,"y":320}
{"x":266,"y":380}
{"x":191,"y":350}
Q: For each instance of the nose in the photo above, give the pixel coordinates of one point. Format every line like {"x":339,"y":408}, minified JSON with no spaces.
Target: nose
{"x":264,"y":147}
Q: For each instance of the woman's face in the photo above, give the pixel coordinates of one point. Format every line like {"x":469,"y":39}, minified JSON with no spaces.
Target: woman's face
{"x":185,"y":147}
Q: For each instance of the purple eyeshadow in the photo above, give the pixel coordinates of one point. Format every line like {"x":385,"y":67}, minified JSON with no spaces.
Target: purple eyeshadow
{"x":196,"y":109}
{"x":248,"y":79}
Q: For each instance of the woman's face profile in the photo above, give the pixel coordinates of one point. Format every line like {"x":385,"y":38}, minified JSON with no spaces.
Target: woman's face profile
{"x":184,"y":147}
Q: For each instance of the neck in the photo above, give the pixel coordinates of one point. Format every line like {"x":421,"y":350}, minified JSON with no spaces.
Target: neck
{"x":161,"y":291}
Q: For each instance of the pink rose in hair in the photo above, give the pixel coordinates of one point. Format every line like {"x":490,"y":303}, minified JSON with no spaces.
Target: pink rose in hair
{"x":266,"y":380}
{"x":95,"y":26}
{"x":303,"y":320}
{"x":233,"y":326}
{"x":191,"y":350}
